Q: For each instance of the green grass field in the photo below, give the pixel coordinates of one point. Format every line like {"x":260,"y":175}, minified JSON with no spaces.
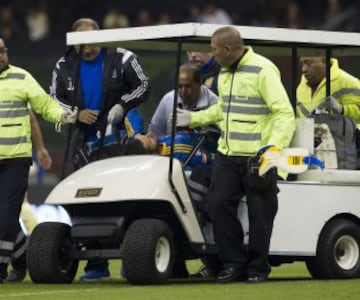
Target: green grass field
{"x":286,"y":282}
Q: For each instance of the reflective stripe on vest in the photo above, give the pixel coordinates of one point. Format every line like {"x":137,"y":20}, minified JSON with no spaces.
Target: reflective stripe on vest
{"x":247,"y":110}
{"x":303,"y":110}
{"x":12,"y":104}
{"x":345,"y":91}
{"x":246,"y":68}
{"x":243,"y":100}
{"x":13,"y":141}
{"x":242,"y":136}
{"x":14,"y":76}
{"x":13,"y":109}
{"x":13,"y":113}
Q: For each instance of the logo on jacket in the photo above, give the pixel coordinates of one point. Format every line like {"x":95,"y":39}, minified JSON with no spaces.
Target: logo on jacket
{"x":70,"y":86}
{"x":114,"y":74}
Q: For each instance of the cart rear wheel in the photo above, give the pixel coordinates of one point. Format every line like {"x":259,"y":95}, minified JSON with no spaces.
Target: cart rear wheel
{"x":338,"y":251}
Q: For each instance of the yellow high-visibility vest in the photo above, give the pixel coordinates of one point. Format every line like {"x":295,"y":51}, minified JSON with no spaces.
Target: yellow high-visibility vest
{"x":253,"y":109}
{"x":18,"y":89}
{"x":344,"y":87}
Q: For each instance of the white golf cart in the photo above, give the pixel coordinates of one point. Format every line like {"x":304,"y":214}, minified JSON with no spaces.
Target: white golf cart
{"x":138,"y":208}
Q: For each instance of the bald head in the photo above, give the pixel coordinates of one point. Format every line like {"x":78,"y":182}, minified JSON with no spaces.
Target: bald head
{"x":227,"y":45}
{"x":229,"y":36}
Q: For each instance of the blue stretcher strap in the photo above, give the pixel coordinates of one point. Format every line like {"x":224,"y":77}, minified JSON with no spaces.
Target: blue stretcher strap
{"x":313,"y":160}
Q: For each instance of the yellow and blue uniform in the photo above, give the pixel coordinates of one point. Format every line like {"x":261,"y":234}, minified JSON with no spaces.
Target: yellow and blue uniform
{"x":133,"y":124}
{"x":184,"y":143}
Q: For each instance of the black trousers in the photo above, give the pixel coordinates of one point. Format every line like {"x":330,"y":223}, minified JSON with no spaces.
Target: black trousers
{"x":13,"y":186}
{"x":357,"y":140}
{"x":231,"y":180}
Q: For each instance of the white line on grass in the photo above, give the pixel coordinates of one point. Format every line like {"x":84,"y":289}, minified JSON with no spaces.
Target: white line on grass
{"x":45,"y":293}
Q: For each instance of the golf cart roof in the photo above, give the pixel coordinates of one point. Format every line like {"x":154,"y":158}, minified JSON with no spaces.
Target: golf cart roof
{"x":196,"y":36}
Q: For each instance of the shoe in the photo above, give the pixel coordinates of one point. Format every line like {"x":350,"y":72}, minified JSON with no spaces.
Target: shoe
{"x":204,"y":272}
{"x":230,"y":273}
{"x":16,"y":275}
{"x":256,"y":279}
{"x":93,"y":275}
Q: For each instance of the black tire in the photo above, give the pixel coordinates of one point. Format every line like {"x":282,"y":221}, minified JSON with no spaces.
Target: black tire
{"x":48,"y":254}
{"x":338,"y":252}
{"x":148,"y":255}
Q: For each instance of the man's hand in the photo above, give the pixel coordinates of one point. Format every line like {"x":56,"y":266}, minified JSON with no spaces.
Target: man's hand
{"x":183,"y":117}
{"x":331,"y":104}
{"x":44,"y":158}
{"x":268,"y":158}
{"x":88,"y":116}
{"x":116,"y":114}
{"x":69,"y":116}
